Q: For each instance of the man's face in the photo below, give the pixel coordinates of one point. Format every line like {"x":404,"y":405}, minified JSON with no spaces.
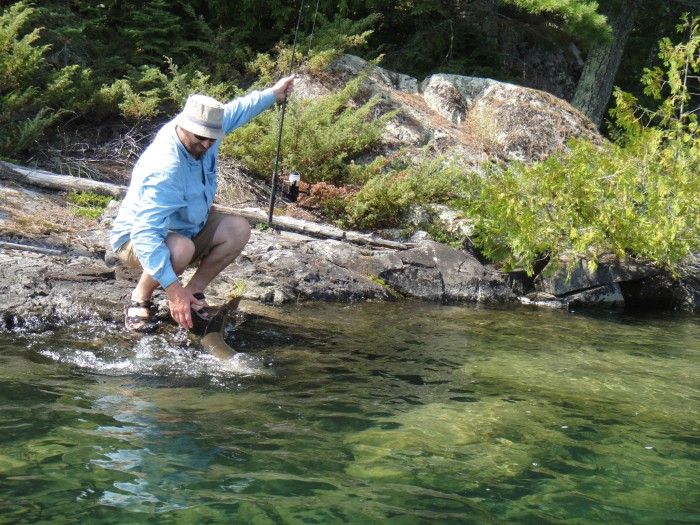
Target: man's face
{"x":196,"y":145}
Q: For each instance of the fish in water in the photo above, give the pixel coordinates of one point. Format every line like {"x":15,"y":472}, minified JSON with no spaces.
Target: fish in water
{"x":213,"y":339}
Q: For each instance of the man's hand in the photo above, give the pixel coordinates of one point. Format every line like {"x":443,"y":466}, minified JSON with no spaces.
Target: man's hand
{"x":284,"y":87}
{"x":181,"y":300}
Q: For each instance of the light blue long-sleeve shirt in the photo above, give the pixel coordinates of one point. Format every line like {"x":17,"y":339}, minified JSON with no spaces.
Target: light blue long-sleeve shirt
{"x":170,"y":190}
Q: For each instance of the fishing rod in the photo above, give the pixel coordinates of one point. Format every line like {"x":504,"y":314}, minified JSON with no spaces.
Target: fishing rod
{"x":273,"y":190}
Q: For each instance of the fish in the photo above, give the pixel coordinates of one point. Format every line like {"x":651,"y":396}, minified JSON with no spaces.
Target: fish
{"x":213,"y":339}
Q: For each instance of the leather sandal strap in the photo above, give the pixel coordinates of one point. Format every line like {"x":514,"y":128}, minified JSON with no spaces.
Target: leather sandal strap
{"x":148,"y":304}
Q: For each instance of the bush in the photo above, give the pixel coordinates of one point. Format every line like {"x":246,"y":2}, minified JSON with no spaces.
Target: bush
{"x":149,"y":93}
{"x":639,"y":197}
{"x":35,"y":95}
{"x":386,"y":190}
{"x":319,"y":138}
{"x":25,"y":74}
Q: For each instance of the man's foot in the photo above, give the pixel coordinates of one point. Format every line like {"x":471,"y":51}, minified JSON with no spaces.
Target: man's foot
{"x":140,"y":316}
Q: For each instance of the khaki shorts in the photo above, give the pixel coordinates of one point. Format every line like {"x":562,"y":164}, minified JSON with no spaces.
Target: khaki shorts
{"x":202,"y":243}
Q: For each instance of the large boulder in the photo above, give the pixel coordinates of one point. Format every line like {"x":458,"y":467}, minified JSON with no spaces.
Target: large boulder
{"x":567,"y":278}
{"x":474,"y":119}
{"x":282,"y":269}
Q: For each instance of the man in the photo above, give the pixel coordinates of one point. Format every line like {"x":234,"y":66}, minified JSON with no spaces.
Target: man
{"x":164,"y":224}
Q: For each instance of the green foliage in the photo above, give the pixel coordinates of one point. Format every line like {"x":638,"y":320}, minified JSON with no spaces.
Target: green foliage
{"x":154,"y":92}
{"x":32,"y":89}
{"x":319,"y":137}
{"x":332,"y":39}
{"x":674,"y":86}
{"x":22,"y":59}
{"x":153,"y":29}
{"x":89,"y":205}
{"x":578,"y":17}
{"x":639,"y":197}
{"x":29,"y":130}
{"x":314,"y":52}
{"x":389,"y":188}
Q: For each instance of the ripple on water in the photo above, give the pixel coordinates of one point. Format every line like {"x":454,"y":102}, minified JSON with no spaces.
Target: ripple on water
{"x":173,"y":354}
{"x":376,"y":413}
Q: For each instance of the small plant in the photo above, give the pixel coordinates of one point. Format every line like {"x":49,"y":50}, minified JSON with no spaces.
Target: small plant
{"x":238,"y":290}
{"x":263,"y":227}
{"x":88,"y":205}
{"x":378,"y":280}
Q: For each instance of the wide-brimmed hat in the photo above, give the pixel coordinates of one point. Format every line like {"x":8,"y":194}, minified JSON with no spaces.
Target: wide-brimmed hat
{"x":203,"y":116}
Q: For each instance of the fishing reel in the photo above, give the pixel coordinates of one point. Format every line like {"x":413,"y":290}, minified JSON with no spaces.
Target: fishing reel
{"x":292,"y":189}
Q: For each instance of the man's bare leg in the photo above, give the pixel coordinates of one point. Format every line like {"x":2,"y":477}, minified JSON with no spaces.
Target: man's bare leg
{"x":181,"y":252}
{"x":231,"y":236}
{"x":228,"y":242}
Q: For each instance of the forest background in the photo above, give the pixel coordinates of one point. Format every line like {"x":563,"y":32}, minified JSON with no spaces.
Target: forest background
{"x":73,"y":68}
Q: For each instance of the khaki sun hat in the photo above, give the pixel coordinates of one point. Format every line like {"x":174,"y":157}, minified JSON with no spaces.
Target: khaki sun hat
{"x":203,"y":116}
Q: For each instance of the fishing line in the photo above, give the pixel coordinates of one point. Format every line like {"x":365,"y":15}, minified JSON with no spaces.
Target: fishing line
{"x":313,"y":28}
{"x":273,"y":190}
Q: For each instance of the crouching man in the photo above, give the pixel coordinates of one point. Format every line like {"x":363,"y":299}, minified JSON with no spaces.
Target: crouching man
{"x":165,"y":224}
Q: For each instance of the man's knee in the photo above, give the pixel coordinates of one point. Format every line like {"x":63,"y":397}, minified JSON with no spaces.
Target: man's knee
{"x":181,"y":251}
{"x":233,"y":230}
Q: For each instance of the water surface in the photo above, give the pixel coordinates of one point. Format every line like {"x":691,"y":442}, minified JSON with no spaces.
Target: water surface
{"x":403,"y":413}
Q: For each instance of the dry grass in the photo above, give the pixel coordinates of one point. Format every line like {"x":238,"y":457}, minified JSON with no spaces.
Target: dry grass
{"x":28,"y":213}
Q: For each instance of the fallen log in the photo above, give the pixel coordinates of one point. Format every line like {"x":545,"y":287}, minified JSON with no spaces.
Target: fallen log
{"x":28,"y":248}
{"x":54,"y":181}
{"x":46,"y":179}
{"x":257,"y":216}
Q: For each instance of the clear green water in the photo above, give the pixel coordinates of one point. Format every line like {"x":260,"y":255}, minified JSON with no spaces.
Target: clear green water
{"x":374,"y":413}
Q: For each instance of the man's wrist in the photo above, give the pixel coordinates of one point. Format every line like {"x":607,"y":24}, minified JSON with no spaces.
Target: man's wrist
{"x":173,"y":287}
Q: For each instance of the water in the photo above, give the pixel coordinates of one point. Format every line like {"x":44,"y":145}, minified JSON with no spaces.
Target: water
{"x":403,"y":413}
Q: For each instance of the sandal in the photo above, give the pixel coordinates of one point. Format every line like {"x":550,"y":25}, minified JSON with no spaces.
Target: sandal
{"x":201,"y":317}
{"x":137,"y":323}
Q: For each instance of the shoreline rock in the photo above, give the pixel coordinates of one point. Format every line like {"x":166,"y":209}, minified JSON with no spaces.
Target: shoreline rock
{"x":40,"y":289}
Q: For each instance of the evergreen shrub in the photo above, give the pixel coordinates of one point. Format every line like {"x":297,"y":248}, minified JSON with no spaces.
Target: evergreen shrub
{"x":149,"y":92}
{"x":386,"y":190}
{"x":637,"y":197}
{"x":320,"y":137}
{"x":32,"y":93}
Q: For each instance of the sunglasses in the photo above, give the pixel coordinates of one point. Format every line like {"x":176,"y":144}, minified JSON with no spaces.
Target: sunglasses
{"x":200,"y":138}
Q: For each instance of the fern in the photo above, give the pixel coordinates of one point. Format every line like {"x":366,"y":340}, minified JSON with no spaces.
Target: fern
{"x":31,"y":129}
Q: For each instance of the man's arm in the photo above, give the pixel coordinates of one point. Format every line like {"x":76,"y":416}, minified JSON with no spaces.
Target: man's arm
{"x":244,"y":109}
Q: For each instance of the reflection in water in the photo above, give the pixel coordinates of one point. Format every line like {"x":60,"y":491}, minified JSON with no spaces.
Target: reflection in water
{"x":160,"y":454}
{"x":405,"y":413}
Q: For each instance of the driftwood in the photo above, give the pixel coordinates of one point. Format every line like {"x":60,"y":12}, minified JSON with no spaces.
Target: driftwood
{"x":257,"y":216}
{"x":28,"y":248}
{"x":46,"y":179}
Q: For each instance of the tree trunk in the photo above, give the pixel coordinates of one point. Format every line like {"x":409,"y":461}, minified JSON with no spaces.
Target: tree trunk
{"x":598,"y":76}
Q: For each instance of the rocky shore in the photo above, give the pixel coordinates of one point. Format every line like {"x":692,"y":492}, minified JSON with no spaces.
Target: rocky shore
{"x":55,"y":267}
{"x":67,"y":276}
